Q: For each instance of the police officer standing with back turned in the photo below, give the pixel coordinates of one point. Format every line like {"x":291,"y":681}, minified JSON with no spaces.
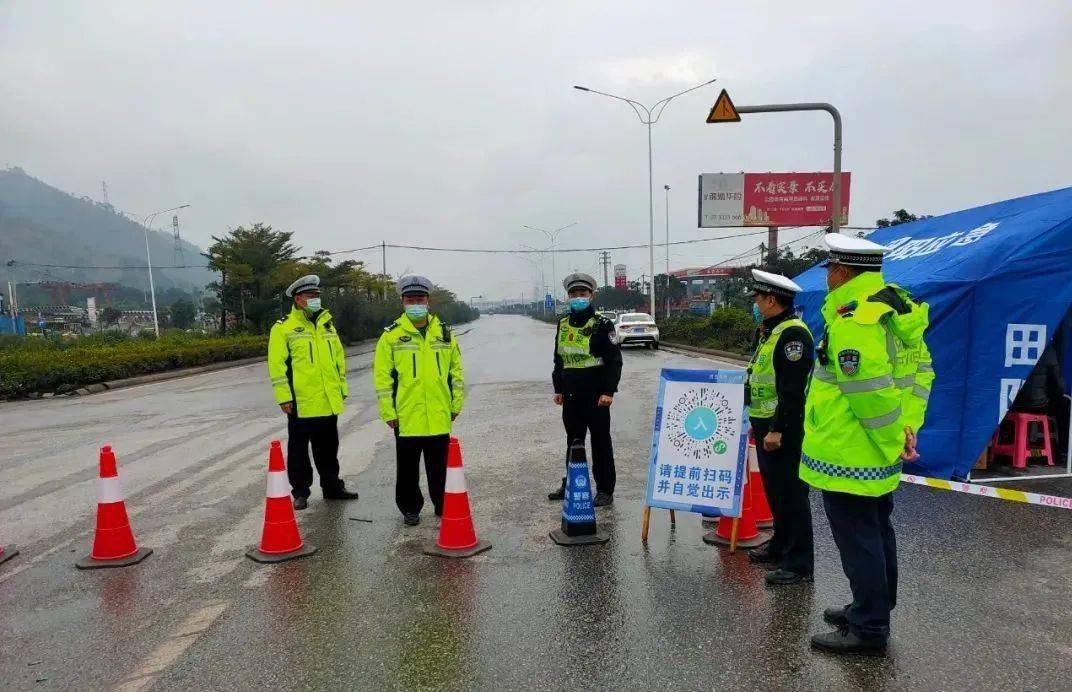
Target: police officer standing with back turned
{"x":777,"y":382}
{"x":588,"y":366}
{"x":420,"y":385}
{"x":307,"y":364}
{"x":866,"y":402}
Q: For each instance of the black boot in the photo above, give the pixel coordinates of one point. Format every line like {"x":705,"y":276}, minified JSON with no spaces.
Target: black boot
{"x":301,"y":503}
{"x":781,"y":577}
{"x":603,"y":500}
{"x":559,"y":494}
{"x":836,"y":616}
{"x":844,"y":641}
{"x":764,"y":556}
{"x":341,"y":493}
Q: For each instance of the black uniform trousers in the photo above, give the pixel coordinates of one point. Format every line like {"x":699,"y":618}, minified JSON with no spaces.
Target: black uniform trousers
{"x":408,"y":451}
{"x":581,"y":414}
{"x":864,"y":537}
{"x":322,"y":433}
{"x":788,"y":498}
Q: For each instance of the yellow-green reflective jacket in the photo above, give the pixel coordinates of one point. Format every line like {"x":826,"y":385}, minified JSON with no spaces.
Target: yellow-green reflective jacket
{"x":874,"y":382}
{"x":763,"y":395}
{"x":307,"y":364}
{"x":419,"y":379}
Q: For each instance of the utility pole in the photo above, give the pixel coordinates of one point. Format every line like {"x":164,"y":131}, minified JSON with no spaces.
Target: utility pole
{"x":383,"y":288}
{"x":178,"y":257}
{"x":104,"y":192}
{"x":604,"y":259}
{"x":772,"y":245}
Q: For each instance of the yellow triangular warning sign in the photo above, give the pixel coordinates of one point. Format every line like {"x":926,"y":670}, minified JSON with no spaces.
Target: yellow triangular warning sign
{"x":723,"y":111}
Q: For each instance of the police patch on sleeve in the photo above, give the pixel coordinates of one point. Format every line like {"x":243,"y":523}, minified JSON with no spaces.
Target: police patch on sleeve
{"x":794,"y":351}
{"x":849,"y":361}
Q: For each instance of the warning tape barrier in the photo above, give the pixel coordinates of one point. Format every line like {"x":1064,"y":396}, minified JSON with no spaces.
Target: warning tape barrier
{"x":989,"y":491}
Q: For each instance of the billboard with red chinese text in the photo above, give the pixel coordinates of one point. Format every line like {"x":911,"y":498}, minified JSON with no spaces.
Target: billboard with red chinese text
{"x":619,"y":276}
{"x":770,"y":199}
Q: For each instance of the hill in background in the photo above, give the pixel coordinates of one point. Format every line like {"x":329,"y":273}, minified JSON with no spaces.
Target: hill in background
{"x":40,"y":225}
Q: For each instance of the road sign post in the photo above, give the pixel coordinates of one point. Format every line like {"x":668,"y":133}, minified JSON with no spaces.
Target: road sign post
{"x":835,"y":212}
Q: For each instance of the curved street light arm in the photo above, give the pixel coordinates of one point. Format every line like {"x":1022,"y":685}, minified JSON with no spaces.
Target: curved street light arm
{"x":660,"y":106}
{"x":635,"y":105}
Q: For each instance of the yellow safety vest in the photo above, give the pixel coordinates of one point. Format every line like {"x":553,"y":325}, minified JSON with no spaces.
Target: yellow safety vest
{"x":575,"y":345}
{"x":763,"y":394}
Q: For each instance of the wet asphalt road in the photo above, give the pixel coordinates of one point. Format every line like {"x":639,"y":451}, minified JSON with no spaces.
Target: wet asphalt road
{"x":985,"y":585}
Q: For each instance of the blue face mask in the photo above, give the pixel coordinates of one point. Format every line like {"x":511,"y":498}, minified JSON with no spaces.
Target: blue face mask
{"x":756,"y":314}
{"x":579,"y":304}
{"x":313,"y":305}
{"x":417,"y":312}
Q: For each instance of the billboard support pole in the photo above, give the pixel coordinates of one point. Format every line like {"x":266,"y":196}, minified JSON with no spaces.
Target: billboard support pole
{"x":772,"y":245}
{"x":835,"y":216}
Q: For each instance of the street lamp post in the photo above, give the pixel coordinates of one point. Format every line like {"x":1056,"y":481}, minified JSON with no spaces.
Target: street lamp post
{"x":552,"y":238}
{"x":667,"y":205}
{"x":149,"y":260}
{"x":648,"y":116}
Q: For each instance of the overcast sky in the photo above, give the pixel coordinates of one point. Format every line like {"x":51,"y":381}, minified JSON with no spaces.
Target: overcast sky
{"x":454,"y":123}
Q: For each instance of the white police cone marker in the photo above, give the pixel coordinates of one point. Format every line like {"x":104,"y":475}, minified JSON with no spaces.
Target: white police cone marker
{"x":578,"y":512}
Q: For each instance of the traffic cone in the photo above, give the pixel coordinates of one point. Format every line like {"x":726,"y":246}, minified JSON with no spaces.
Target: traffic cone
{"x":457,"y":535}
{"x":7,"y":552}
{"x":280,"y":539}
{"x":113,"y":543}
{"x":578,"y":512}
{"x":748,"y":534}
{"x":764,"y":516}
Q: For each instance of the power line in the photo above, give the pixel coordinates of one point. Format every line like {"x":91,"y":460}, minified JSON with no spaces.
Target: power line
{"x":86,"y":266}
{"x":516,"y":251}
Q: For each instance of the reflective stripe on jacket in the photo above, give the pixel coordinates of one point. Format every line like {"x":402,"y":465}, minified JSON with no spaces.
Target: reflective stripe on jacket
{"x":419,"y":379}
{"x":307,"y":364}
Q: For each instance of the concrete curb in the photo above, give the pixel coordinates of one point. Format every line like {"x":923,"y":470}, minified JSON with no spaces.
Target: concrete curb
{"x":355,"y":350}
{"x":725,"y":355}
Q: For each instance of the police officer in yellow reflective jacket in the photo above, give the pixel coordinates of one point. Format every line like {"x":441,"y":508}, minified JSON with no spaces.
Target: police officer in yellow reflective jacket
{"x":420,"y":386}
{"x":866,"y":402}
{"x":777,"y":382}
{"x":588,"y":366}
{"x":307,"y":364}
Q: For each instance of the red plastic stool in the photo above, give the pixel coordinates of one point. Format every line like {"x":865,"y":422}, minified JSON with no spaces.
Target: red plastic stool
{"x":1018,"y":449}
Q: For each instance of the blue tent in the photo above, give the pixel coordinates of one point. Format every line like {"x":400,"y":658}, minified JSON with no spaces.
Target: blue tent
{"x":999,"y":282}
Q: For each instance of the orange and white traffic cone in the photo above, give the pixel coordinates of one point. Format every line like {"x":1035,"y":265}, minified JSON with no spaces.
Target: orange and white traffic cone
{"x":748,"y":534}
{"x":113,"y":542}
{"x":764,"y":516}
{"x":280,"y":540}
{"x":457,"y":535}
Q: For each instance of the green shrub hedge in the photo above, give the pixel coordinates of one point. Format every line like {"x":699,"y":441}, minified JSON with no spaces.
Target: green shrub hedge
{"x":727,"y":329}
{"x":30,"y":365}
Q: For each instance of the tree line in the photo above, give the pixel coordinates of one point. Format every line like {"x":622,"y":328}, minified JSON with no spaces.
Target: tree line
{"x":256,"y":264}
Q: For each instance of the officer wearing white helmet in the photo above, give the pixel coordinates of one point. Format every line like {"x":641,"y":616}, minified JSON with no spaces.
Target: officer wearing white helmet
{"x":777,"y":383}
{"x":307,"y":364}
{"x":420,"y":385}
{"x":866,"y":402}
{"x":588,"y":366}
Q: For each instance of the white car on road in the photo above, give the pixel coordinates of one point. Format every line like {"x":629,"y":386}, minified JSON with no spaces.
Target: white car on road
{"x":637,"y":328}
